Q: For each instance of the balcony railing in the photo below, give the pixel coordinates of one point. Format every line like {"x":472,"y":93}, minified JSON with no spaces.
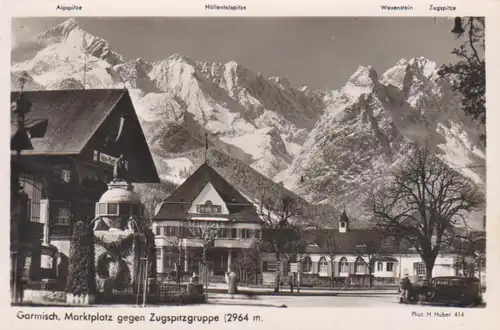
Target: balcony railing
{"x":60,"y":232}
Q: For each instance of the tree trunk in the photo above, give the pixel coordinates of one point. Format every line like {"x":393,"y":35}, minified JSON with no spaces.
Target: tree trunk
{"x":332,"y":271}
{"x":429,"y":266}
{"x":278,"y":277}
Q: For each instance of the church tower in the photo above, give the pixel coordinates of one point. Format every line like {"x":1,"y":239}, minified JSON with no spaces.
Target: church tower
{"x":343,"y":222}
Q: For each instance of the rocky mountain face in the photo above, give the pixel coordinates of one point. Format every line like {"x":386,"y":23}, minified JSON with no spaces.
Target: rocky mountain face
{"x":326,"y":146}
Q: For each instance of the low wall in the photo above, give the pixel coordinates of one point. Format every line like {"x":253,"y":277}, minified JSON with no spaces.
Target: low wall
{"x":43,"y":296}
{"x":316,"y":281}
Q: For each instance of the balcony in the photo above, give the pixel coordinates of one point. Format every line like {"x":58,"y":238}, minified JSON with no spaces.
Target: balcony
{"x":31,"y":231}
{"x":240,"y":243}
{"x":60,"y":232}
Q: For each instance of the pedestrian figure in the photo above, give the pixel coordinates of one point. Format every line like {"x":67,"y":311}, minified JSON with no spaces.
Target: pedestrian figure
{"x":406,"y":287}
{"x":177,"y":274}
{"x":232,"y":284}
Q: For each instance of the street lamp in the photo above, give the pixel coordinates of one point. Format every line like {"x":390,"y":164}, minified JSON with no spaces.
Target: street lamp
{"x":19,"y":141}
{"x":458,"y":29}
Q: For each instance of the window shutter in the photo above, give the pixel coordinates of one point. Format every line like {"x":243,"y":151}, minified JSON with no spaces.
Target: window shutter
{"x":329,"y":268}
{"x":352,"y":268}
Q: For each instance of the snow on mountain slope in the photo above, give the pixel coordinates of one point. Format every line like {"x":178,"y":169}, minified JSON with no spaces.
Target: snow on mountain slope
{"x":368,"y":127}
{"x":326,"y":145}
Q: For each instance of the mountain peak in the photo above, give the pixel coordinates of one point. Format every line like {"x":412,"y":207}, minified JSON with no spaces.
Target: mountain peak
{"x":405,"y":69}
{"x":362,"y":81}
{"x":58,"y":32}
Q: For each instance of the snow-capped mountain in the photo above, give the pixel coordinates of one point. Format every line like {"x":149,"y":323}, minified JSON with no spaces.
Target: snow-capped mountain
{"x":368,"y":127}
{"x":325,"y":145}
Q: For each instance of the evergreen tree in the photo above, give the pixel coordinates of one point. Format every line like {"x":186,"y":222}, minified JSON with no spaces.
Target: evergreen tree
{"x":81,"y":277}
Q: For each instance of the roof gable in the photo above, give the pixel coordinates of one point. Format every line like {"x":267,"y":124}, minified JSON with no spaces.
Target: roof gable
{"x":178,"y":203}
{"x":209,"y":193}
{"x":73,"y":117}
{"x":192,"y":187}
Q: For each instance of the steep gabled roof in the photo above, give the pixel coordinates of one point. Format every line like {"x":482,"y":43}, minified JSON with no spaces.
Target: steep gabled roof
{"x":177,"y":203}
{"x":73,"y":116}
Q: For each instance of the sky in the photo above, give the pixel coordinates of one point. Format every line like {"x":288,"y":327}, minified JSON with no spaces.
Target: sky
{"x":320,"y":52}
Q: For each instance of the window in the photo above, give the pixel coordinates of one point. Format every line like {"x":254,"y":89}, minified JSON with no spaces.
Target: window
{"x":306,"y":264}
{"x":62,"y":213}
{"x":158,"y":253}
{"x":245,"y":233}
{"x":169,"y":262}
{"x":419,"y":268}
{"x":342,"y":224}
{"x":46,"y":261}
{"x":257,"y":233}
{"x":170,"y":231}
{"x":380,"y":266}
{"x":102,"y":208}
{"x":344,"y":266}
{"x":390,"y":266}
{"x":208,"y":207}
{"x":28,"y":209}
{"x":234,"y":233}
{"x":323,"y":265}
{"x":359,"y":266}
{"x":269,"y":266}
{"x":224,"y":233}
{"x":66,"y":176}
{"x":158,"y":230}
{"x":112,"y":208}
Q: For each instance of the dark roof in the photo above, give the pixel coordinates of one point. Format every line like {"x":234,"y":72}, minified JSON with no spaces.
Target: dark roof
{"x":354,"y":241}
{"x":178,"y":202}
{"x":343,"y":217}
{"x":73,"y":116}
{"x":370,"y":241}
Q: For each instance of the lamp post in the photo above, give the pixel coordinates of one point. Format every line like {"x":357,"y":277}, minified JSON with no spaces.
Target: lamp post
{"x":458,"y":29}
{"x":20,"y":140}
{"x":146,"y":276}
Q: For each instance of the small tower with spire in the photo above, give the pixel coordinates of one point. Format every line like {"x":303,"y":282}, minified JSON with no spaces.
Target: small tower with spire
{"x":343,"y":222}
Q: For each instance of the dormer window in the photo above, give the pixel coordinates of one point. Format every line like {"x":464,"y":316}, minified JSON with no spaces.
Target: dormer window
{"x":342,"y":224}
{"x":66,"y":176}
{"x":209,"y":208}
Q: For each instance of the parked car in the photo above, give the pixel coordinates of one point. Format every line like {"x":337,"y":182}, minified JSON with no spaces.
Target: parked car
{"x":453,"y":290}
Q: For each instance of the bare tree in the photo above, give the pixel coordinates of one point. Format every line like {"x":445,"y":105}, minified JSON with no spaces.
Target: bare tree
{"x":470,"y":247}
{"x":326,"y":239}
{"x":283,"y":227}
{"x":422,"y":203}
{"x":249,"y":261}
{"x":367,"y":251}
{"x":173,"y":250}
{"x":322,"y":215}
{"x":205,"y":233}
